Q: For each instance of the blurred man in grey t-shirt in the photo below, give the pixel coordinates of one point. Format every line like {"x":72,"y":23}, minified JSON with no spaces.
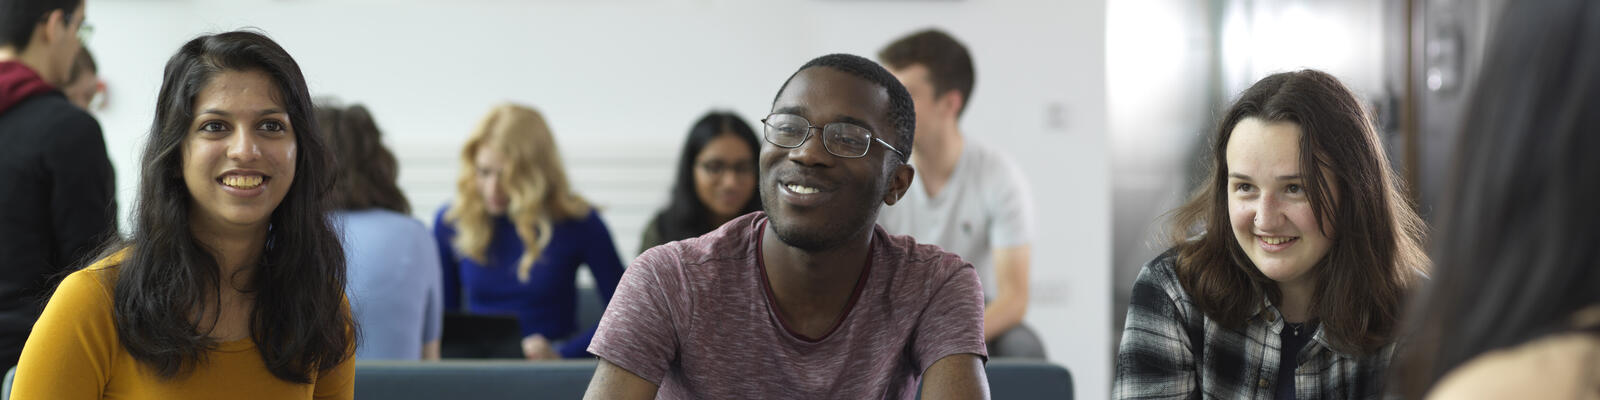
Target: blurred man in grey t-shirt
{"x":967,"y":197}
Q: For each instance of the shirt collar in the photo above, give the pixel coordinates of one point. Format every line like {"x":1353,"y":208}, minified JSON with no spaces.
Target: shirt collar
{"x":1268,"y":315}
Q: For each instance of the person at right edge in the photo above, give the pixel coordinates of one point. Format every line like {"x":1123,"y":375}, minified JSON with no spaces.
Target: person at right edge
{"x":967,"y":198}
{"x":57,"y":189}
{"x":1514,"y":309}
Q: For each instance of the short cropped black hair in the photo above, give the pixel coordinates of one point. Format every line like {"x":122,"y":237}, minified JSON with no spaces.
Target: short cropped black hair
{"x":901,"y":112}
{"x":19,"y":17}
{"x":948,"y":62}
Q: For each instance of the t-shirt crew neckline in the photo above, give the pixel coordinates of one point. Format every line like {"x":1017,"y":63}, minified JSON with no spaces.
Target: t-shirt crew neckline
{"x":952,"y":181}
{"x":772,"y":300}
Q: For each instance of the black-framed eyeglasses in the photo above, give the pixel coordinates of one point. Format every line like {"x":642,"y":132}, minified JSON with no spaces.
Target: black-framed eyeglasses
{"x":842,"y":139}
{"x":85,"y":30}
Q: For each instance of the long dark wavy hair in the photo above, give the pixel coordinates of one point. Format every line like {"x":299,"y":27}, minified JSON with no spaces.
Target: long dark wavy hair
{"x":685,"y":216}
{"x":300,"y":322}
{"x":1518,"y":256}
{"x":1377,"y":253}
{"x":366,"y":170}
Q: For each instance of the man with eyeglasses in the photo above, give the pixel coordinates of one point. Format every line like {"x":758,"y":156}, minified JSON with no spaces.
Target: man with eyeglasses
{"x":57,"y":198}
{"x":809,"y":299}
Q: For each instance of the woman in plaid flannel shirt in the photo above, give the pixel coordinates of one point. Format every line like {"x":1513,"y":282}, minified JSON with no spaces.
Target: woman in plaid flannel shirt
{"x":1288,"y":266}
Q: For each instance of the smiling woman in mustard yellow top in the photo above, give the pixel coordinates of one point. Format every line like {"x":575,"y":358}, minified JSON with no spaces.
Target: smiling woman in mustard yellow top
{"x":232,"y":283}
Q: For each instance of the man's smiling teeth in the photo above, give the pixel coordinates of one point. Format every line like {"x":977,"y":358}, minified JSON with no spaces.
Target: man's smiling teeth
{"x":802,"y":189}
{"x":242,"y":181}
{"x":1276,"y":240}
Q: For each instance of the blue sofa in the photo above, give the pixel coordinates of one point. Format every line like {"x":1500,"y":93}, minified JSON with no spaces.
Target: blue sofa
{"x":1008,"y":379}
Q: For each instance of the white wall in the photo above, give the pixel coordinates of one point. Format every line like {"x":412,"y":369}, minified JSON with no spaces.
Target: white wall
{"x":1159,"y":56}
{"x":621,"y":81}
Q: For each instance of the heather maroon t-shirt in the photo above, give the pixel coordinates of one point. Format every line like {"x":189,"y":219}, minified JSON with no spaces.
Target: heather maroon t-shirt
{"x":695,"y":317}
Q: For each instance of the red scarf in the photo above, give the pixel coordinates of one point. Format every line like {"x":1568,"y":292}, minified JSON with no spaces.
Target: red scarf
{"x":18,"y":83}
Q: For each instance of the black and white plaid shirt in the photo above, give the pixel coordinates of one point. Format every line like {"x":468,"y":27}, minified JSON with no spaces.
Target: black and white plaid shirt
{"x":1159,"y":358}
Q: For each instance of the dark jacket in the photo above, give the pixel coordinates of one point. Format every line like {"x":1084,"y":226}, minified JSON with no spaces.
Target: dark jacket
{"x":57,"y":197}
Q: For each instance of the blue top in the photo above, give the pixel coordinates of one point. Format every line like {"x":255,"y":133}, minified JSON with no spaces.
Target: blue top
{"x":393,"y":282}
{"x":547,"y":303}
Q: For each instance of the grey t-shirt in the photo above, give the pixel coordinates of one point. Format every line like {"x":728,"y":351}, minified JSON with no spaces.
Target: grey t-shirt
{"x":696,"y":318}
{"x":986,"y":205}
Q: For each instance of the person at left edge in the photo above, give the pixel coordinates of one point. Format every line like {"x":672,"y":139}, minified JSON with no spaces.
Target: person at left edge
{"x":57,"y":188}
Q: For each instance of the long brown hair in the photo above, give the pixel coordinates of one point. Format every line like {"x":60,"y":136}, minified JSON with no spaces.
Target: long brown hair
{"x":1377,"y":253}
{"x":366,"y":169}
{"x":1517,"y":258}
{"x":534,"y":180}
{"x":300,"y":321}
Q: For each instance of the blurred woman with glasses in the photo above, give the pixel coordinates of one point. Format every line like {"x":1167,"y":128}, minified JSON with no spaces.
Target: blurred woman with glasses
{"x":514,"y":236}
{"x":715,"y":182}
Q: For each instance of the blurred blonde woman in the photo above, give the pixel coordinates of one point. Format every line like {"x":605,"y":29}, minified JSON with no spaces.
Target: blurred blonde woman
{"x":515,"y":233}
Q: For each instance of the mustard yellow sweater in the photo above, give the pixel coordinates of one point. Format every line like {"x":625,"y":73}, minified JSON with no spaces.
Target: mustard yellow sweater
{"x":73,"y":353}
